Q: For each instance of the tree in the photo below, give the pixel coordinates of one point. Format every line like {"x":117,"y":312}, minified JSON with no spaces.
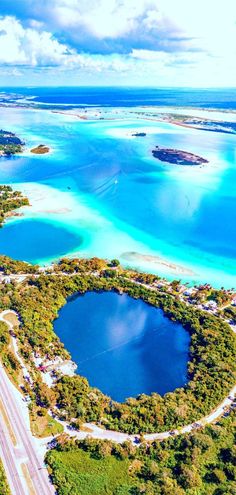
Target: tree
{"x":114,"y":263}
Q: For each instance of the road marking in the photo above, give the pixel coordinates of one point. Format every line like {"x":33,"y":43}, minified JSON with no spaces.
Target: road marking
{"x":7,"y":423}
{"x":28,"y":480}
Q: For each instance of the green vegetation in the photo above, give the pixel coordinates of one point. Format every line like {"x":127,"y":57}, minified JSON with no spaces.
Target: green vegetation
{"x":230,"y":313}
{"x":10,"y":149}
{"x":10,"y":144}
{"x":4,"y":488}
{"x":211,"y":368}
{"x":77,"y":472}
{"x":9,"y":201}
{"x":12,"y":267}
{"x":42,"y":424}
{"x":202,"y":463}
{"x":4,"y":336}
{"x":8,"y":358}
{"x":220,"y":296}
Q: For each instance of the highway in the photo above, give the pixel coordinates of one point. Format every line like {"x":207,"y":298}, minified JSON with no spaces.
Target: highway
{"x":27,"y":450}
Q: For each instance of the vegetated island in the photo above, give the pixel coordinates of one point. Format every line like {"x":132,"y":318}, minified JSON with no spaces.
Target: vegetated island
{"x":10,"y":144}
{"x":41,"y":149}
{"x":177,"y":157}
{"x":10,"y":201}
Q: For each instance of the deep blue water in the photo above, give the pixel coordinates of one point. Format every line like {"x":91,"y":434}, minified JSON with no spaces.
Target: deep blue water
{"x":123,"y":346}
{"x":31,"y":240}
{"x":128,"y":97}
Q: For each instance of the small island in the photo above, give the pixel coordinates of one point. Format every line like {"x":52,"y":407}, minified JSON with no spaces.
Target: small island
{"x":139,"y":134}
{"x":10,"y":144}
{"x":177,"y":157}
{"x":41,"y":149}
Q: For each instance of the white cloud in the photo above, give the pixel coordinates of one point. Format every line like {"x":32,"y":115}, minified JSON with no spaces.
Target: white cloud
{"x":104,"y":18}
{"x":11,"y":72}
{"x":21,"y":46}
{"x":210,"y":22}
{"x":181,"y":42}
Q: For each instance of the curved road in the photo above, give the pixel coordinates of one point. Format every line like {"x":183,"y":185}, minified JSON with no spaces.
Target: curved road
{"x":118,"y":437}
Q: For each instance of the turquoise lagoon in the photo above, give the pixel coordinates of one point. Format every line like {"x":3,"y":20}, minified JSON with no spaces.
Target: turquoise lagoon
{"x":123,"y":346}
{"x":107,"y":196}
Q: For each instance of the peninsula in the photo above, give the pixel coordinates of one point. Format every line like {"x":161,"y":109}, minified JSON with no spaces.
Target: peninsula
{"x":10,"y":144}
{"x":10,"y":201}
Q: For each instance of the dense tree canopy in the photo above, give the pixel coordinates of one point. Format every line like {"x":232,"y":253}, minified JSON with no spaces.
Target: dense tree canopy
{"x":201,"y":463}
{"x":211,"y":367}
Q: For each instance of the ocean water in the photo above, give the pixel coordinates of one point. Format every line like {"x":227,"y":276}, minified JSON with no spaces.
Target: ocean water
{"x":122,"y":97}
{"x":124,"y":346}
{"x":106,"y":194}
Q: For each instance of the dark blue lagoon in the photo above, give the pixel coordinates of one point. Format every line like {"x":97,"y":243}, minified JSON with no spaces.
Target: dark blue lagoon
{"x":36,"y":240}
{"x":123,"y":346}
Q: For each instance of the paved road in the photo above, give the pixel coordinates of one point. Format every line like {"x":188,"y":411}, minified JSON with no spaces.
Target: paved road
{"x":27,"y":449}
{"x":118,"y":437}
{"x":12,"y":468}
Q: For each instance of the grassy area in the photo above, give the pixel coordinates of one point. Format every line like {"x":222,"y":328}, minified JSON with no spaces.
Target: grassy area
{"x":43,"y":425}
{"x":11,"y":318}
{"x":4,"y":488}
{"x":201,"y":463}
{"x":78,"y":473}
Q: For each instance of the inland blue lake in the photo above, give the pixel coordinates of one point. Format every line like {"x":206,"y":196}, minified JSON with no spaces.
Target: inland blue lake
{"x":123,"y":346}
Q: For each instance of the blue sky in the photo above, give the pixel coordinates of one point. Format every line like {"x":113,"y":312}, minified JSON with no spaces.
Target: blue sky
{"x":118,"y":42}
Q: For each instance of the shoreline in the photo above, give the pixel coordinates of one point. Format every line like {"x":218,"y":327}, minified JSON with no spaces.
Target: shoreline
{"x":96,"y":231}
{"x":45,"y":205}
{"x":77,"y":211}
{"x":157,"y":260}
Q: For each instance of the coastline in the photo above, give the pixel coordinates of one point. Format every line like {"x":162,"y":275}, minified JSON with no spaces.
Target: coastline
{"x":97,"y":230}
{"x":158,"y":261}
{"x":79,"y":212}
{"x":46,"y":204}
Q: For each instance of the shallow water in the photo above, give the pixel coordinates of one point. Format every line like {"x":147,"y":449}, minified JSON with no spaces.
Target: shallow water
{"x":109,"y":191}
{"x":123,"y":346}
